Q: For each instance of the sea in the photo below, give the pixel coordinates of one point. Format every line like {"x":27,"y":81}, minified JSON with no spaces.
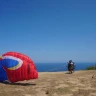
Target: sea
{"x":56,"y":67}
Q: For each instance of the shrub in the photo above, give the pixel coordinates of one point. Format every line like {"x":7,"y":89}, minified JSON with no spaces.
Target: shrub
{"x":91,"y":67}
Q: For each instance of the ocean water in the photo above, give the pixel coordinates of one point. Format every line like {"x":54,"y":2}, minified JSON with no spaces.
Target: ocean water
{"x":55,"y":67}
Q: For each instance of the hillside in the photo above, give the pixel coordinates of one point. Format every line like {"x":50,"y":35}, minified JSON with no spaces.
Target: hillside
{"x":80,"y":83}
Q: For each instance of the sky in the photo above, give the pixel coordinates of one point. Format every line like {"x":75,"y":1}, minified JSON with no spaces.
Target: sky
{"x":49,"y":30}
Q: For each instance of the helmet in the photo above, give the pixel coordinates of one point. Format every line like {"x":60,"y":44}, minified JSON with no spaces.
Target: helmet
{"x":70,"y":60}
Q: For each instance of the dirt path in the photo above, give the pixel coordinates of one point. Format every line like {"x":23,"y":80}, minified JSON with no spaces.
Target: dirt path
{"x":80,"y":83}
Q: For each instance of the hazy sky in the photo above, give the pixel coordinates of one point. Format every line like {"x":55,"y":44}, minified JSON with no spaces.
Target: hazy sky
{"x":49,"y":30}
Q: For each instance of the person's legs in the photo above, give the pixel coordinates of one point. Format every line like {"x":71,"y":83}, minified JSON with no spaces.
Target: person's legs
{"x":70,"y":71}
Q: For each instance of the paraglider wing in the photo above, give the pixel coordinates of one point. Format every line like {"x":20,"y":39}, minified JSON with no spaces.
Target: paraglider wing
{"x":15,"y":67}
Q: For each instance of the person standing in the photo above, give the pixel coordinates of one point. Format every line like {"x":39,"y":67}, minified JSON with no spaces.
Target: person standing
{"x":71,"y":66}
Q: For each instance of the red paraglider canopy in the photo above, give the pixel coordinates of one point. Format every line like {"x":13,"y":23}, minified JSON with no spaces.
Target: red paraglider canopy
{"x":18,"y":67}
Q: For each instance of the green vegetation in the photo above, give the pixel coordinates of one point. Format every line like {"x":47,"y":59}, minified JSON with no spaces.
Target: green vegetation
{"x":91,"y":67}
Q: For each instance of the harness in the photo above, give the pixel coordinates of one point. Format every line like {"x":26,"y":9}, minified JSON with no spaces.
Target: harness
{"x":71,"y":66}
